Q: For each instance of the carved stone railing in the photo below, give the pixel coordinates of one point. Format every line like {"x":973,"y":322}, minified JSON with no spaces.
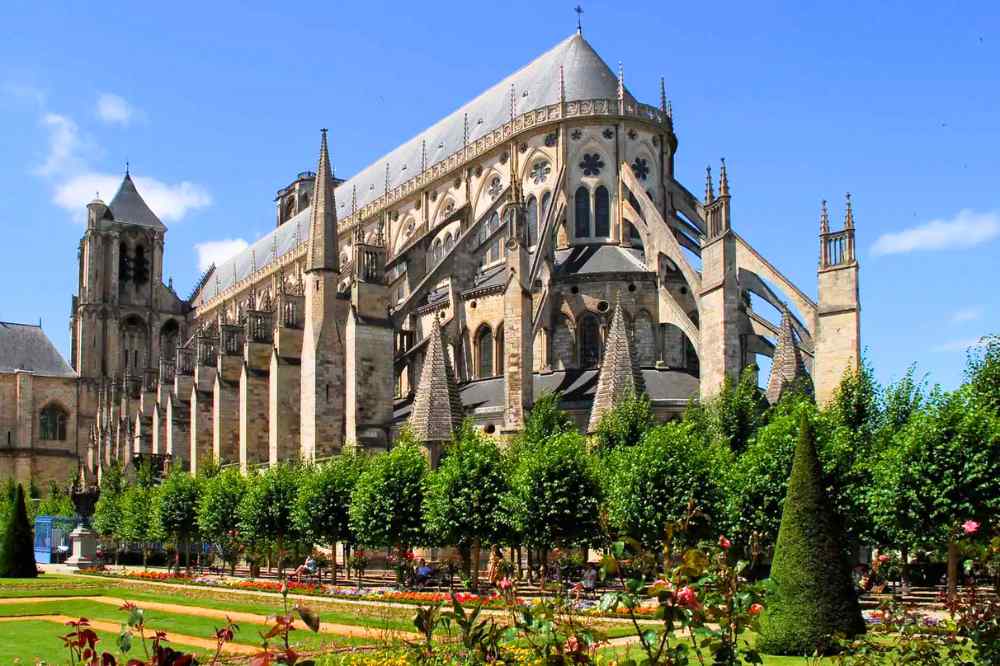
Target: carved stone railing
{"x":167,"y":371}
{"x":231,"y":336}
{"x":185,"y":361}
{"x":837,"y":248}
{"x":291,"y":311}
{"x":259,"y":326}
{"x":207,"y":349}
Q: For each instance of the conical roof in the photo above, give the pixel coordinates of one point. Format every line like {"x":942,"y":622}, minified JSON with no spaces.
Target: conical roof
{"x":437,"y":407}
{"x":787,"y":366}
{"x":619,"y":369}
{"x":129,"y":207}
{"x":323,"y":253}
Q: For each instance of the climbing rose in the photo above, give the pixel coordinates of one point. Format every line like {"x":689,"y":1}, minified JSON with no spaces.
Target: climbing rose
{"x":687,"y":597}
{"x":724,"y":543}
{"x":755,"y":609}
{"x":970,"y":527}
{"x":504,"y":584}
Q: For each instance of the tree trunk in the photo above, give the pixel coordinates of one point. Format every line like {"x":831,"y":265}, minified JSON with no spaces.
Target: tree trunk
{"x":519,"y":571}
{"x":333,"y":564}
{"x":476,"y":551}
{"x":952,"y":589}
{"x":904,"y":574}
{"x":531,"y":565}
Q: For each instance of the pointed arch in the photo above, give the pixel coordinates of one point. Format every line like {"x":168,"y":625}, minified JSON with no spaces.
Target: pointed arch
{"x":602,"y":212}
{"x":590,"y":341}
{"x":533,"y":221}
{"x":581,"y":213}
{"x":644,"y":331}
{"x":484,"y":351}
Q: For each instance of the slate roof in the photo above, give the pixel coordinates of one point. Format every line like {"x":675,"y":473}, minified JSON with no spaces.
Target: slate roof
{"x":585,"y":74}
{"x":593,"y":259}
{"x":619,"y":373}
{"x":26,"y":347}
{"x":787,"y":366}
{"x":128,"y":206}
{"x":437,"y":410}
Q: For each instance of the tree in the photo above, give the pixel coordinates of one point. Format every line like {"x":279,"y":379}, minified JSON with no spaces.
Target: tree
{"x":56,"y":502}
{"x":624,"y":424}
{"x":266,"y":510}
{"x":17,"y":551}
{"x":138,"y":520}
{"x":177,"y":510}
{"x":387,"y":500}
{"x":555,"y":494}
{"x":322,"y":507}
{"x":107,"y":512}
{"x":812,"y":594}
{"x":462,"y":504}
{"x":218,"y":513}
{"x":653,"y":483}
{"x":738,"y":411}
{"x":982,"y":372}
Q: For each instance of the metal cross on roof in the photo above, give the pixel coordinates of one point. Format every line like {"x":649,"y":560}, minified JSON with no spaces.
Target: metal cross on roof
{"x":579,"y":18}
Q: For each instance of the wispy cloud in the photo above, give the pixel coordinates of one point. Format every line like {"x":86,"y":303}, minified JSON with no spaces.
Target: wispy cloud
{"x":25,"y":93}
{"x":966,"y":229}
{"x":216,"y":252}
{"x":116,"y":110}
{"x":64,"y":145}
{"x":959,"y":345}
{"x":972,"y":313}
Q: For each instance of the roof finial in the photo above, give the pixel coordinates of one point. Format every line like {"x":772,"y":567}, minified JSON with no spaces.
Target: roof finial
{"x":423,"y":154}
{"x":723,"y":180}
{"x":663,"y":95}
{"x":849,"y":215}
{"x":824,"y":219}
{"x":253,"y":260}
{"x":354,"y":198}
{"x":562,"y":85}
{"x":579,"y":19}
{"x":387,"y":179}
{"x":465,"y":130}
{"x":126,"y":169}
{"x":709,"y":189}
{"x":621,"y":80}
{"x":513,"y":101}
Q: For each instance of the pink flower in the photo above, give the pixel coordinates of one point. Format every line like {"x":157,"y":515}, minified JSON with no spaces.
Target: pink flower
{"x":755,"y":609}
{"x":687,"y":597}
{"x":883,"y":558}
{"x":504,"y":583}
{"x":970,"y":527}
{"x":724,"y":543}
{"x":572,"y":644}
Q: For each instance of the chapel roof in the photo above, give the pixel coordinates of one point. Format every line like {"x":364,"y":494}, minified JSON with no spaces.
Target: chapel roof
{"x":26,"y":347}
{"x":129,"y":207}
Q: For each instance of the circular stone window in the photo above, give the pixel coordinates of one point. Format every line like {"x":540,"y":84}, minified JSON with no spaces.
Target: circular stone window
{"x":472,"y":305}
{"x":574,"y":290}
{"x":684,"y":290}
{"x":602,"y":306}
{"x":489,"y":429}
{"x":631,"y":287}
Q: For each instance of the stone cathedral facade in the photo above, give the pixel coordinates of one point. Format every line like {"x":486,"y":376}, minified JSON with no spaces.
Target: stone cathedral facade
{"x":534,"y":240}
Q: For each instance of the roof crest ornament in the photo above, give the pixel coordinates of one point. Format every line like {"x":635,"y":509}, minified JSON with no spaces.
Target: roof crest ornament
{"x":562,"y":85}
{"x":579,"y":19}
{"x":465,"y":130}
{"x":723,"y":179}
{"x":621,"y":81}
{"x":709,"y":188}
{"x":824,"y":219}
{"x":849,"y":215}
{"x":354,"y":198}
{"x":663,"y":95}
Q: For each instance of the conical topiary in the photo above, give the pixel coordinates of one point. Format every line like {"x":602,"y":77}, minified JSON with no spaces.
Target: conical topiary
{"x":812,"y":596}
{"x":17,"y":551}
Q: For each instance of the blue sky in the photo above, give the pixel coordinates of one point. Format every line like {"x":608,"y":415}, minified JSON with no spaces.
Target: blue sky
{"x":217,"y":106}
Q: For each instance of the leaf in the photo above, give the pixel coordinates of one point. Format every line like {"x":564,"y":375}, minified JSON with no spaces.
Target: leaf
{"x":309,"y":616}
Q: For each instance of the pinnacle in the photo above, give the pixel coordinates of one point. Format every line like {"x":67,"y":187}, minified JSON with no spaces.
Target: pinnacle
{"x":437,"y":409}
{"x":787,"y":366}
{"x":323,"y":251}
{"x":619,"y":371}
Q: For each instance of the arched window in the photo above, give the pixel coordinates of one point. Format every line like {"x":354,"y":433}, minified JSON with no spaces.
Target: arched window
{"x":534,"y":223}
{"x":304,"y":201}
{"x":52,"y":422}
{"x":582,"y":207}
{"x":448,"y":241}
{"x":645,"y":339}
{"x":484,"y":352}
{"x":602,"y":212}
{"x":168,"y":340}
{"x":134,"y":345}
{"x":564,"y":344}
{"x":500,"y":350}
{"x":289,"y":207}
{"x":124,"y":263}
{"x":590,"y":342}
{"x":140,"y":266}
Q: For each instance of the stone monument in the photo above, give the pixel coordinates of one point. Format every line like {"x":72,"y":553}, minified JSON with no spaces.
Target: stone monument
{"x":83,"y":539}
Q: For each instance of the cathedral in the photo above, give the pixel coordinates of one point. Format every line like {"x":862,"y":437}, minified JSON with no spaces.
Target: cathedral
{"x":534,"y":240}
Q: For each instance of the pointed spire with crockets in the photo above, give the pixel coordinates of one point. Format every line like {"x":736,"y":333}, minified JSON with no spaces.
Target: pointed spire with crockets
{"x":437,"y":408}
{"x":620,"y":373}
{"x":787,"y":367}
{"x":323,"y":251}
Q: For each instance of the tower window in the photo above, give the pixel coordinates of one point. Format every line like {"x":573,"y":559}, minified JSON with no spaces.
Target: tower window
{"x":140,"y":266}
{"x":52,"y":422}
{"x":484,"y":351}
{"x":582,"y":207}
{"x":602,"y":212}
{"x":500,"y":350}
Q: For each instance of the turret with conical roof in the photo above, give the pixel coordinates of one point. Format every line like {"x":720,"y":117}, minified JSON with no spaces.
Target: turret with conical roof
{"x":787,"y":367}
{"x":437,"y":408}
{"x":620,"y":373}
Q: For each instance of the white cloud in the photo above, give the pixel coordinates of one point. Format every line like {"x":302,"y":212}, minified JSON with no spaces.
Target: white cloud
{"x":959,"y":345}
{"x":967,"y":229}
{"x":972,"y":313}
{"x":115,"y":110}
{"x":170,"y":202}
{"x":64,"y":145}
{"x":216,"y":252}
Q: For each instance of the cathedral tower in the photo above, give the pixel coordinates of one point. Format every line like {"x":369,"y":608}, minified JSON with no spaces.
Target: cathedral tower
{"x":517,"y":342}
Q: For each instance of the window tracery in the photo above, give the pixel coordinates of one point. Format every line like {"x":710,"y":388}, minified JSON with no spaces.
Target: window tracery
{"x":592,"y":164}
{"x":540,"y":171}
{"x":582,"y":215}
{"x":602,"y":212}
{"x":52,"y":424}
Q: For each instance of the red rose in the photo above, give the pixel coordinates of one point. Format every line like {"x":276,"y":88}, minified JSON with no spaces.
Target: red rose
{"x":724,"y":543}
{"x":755,"y":609}
{"x":687,"y":597}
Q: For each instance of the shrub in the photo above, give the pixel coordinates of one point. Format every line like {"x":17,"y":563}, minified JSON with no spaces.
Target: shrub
{"x":388,"y":497}
{"x":812,"y":596}
{"x":17,"y":552}
{"x":625,"y":424}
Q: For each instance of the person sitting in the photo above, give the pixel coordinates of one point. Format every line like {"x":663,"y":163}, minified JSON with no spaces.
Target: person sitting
{"x":308,"y":568}
{"x":589,"y":580}
{"x":422,"y":573}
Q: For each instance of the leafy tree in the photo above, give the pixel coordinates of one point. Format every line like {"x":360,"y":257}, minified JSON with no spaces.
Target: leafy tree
{"x":462,"y":504}
{"x":654,"y":482}
{"x":625,"y":424}
{"x":982,"y":372}
{"x":218,"y":513}
{"x":138,"y":520}
{"x":555,"y":494}
{"x":322,"y":507}
{"x":812,"y":595}
{"x":107,"y":512}
{"x":267,"y":508}
{"x":56,"y":502}
{"x":177,"y":510}
{"x":17,"y":551}
{"x":545,"y":419}
{"x":387,"y":500}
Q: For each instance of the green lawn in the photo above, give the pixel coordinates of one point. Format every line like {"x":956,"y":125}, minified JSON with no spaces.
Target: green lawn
{"x":33,"y":640}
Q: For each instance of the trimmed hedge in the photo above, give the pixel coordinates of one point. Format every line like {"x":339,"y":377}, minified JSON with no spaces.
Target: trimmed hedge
{"x":812,"y":595}
{"x":17,"y":551}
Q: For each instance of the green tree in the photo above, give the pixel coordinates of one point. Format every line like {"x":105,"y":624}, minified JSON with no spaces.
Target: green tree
{"x":138,"y":519}
{"x":624,"y":424}
{"x":737,"y":412}
{"x":555,"y":494}
{"x":56,"y":502}
{"x":982,"y":372}
{"x":812,"y":595}
{"x":218,"y":513}
{"x":107,"y":512}
{"x":177,"y":510}
{"x":386,"y":505}
{"x":267,"y":508}
{"x":653,"y":483}
{"x":17,"y":551}
{"x":323,"y":503}
{"x":462,"y":503}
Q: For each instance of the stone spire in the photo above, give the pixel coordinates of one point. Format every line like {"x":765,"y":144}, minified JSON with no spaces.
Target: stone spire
{"x":824,"y":219}
{"x":323,"y":252}
{"x":849,"y":215}
{"x":709,"y":188}
{"x":619,"y":371}
{"x":437,"y":408}
{"x":663,"y":95}
{"x":723,"y":180}
{"x":787,"y":367}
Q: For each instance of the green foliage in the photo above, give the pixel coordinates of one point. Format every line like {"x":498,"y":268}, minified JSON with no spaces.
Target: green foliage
{"x":322,"y":507}
{"x":738,"y":411}
{"x":654,"y":482}
{"x":812,"y":595}
{"x":177,"y":505}
{"x":17,"y":550}
{"x":982,"y":372}
{"x":265,"y":512}
{"x":463,"y":499}
{"x":555,"y":494}
{"x":56,"y":502}
{"x":545,"y":419}
{"x":218,"y":512}
{"x":387,"y":500}
{"x":625,"y":424}
{"x":107,"y":513}
{"x":138,"y":521}
{"x":855,"y":403}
